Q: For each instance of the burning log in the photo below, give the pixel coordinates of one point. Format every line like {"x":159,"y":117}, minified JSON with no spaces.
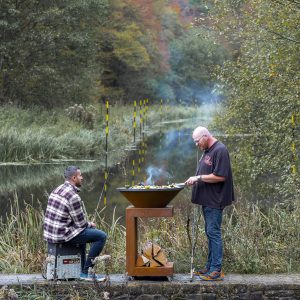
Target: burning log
{"x":152,"y":256}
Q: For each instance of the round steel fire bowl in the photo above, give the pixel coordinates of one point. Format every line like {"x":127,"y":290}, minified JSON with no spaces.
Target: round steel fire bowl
{"x":150,"y":198}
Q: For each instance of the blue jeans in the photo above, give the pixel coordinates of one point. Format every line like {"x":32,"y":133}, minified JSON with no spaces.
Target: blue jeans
{"x":89,"y":235}
{"x":213,"y":221}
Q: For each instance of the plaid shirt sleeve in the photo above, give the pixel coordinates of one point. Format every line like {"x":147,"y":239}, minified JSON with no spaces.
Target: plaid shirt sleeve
{"x":76,"y":212}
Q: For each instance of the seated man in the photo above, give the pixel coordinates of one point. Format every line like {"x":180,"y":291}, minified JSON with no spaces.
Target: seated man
{"x":65,"y":220}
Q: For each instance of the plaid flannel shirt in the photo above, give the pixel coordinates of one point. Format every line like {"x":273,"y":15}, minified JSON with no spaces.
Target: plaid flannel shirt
{"x":64,"y":217}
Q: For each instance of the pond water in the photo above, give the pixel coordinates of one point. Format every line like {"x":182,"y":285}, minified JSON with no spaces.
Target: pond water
{"x":171,"y":151}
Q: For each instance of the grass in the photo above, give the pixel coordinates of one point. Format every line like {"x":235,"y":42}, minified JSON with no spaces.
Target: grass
{"x":255,"y":241}
{"x":38,"y":136}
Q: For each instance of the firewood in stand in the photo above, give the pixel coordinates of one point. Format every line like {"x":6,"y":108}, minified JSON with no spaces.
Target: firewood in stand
{"x":147,"y":250}
{"x":152,"y":256}
{"x":142,"y":261}
{"x":156,"y":249}
{"x":154,"y":263}
{"x":161,"y":257}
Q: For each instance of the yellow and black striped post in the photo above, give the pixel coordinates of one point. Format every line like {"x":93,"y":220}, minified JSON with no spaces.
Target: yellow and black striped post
{"x":141,"y":118}
{"x":139,"y":161}
{"x":145,"y":145}
{"x":106,"y":154}
{"x":145,"y":112}
{"x":133,"y":172}
{"x":160,"y":122}
{"x":134,"y":120}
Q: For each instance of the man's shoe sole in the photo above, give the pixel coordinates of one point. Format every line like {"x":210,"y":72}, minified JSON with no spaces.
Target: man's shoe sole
{"x":92,"y":279}
{"x":211,"y":279}
{"x":199,"y":274}
{"x":208,"y":278}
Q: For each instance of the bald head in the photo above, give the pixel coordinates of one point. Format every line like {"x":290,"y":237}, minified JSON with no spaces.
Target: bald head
{"x":199,"y":132}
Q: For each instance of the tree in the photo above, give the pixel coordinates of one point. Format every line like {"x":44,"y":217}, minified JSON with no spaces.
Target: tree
{"x":193,"y":58}
{"x":262,"y":90}
{"x":47,"y":50}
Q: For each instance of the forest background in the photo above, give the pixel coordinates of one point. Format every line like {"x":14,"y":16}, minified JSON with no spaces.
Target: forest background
{"x":57,"y":55}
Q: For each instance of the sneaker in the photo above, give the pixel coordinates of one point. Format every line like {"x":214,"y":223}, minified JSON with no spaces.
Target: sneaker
{"x":91,"y":277}
{"x":199,"y":272}
{"x":212,"y":276}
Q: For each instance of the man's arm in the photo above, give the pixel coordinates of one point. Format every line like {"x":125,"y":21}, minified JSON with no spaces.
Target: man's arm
{"x":212,"y":178}
{"x":76,"y":212}
{"x":209,"y":178}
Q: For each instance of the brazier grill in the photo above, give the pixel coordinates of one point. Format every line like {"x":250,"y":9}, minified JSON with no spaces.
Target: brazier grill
{"x":146,"y":203}
{"x":150,"y":197}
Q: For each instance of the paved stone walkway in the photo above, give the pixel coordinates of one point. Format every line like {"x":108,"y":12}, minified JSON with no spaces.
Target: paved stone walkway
{"x":234,"y":286}
{"x":272,"y":279}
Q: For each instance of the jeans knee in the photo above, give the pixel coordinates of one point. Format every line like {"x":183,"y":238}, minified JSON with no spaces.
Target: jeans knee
{"x":103,"y":237}
{"x":213,"y":233}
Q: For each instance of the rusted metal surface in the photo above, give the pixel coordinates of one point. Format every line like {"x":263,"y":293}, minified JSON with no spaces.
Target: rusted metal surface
{"x":150,"y":198}
{"x":132,"y":213}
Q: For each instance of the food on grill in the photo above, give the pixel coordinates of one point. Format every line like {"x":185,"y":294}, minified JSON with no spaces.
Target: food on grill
{"x":148,"y":187}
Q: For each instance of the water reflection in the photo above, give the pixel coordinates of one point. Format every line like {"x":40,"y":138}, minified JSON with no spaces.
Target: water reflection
{"x":172,"y":150}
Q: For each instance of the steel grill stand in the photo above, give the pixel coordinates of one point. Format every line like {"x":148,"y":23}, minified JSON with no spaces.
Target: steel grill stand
{"x":132,"y":213}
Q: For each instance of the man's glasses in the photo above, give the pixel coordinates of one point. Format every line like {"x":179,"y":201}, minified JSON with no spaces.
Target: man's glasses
{"x":198,"y":140}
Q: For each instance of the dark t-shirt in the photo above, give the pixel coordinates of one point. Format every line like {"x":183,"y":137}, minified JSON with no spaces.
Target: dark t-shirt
{"x":215,"y":195}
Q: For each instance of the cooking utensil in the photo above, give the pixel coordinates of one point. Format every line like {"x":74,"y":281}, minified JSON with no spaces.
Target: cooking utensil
{"x":181,"y":184}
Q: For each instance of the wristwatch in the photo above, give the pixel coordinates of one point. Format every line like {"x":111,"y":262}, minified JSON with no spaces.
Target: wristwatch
{"x":199,"y":177}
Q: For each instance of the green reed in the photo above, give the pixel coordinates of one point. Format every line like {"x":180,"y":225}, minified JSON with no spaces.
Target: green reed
{"x":256,"y":240}
{"x":37,"y":136}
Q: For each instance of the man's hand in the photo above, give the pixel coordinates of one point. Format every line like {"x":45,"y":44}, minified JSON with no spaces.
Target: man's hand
{"x":92,"y":225}
{"x":192,"y":180}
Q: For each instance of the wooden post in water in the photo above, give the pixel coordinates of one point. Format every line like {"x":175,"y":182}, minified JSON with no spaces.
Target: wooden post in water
{"x":141,"y":137}
{"x":139,"y":161}
{"x":134,"y":131}
{"x":160,"y":122}
{"x":141,"y":119}
{"x":134,"y":120}
{"x":133,"y":171}
{"x":144,"y":111}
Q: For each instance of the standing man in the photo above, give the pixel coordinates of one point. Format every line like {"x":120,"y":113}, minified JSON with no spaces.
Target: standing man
{"x":65,"y":221}
{"x":213,"y":189}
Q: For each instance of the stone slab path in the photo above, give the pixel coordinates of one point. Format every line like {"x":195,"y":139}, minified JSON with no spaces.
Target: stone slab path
{"x":272,"y":279}
{"x":234,"y":287}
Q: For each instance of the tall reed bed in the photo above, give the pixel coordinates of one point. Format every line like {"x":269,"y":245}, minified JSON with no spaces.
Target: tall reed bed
{"x":21,"y":245}
{"x":255,"y":240}
{"x":34,"y":135}
{"x":23,"y":250}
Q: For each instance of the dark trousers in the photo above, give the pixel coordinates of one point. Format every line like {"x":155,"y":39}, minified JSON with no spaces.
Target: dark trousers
{"x":213,"y":221}
{"x":89,"y":235}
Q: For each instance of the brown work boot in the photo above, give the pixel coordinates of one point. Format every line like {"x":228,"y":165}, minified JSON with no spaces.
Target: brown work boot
{"x":213,"y":276}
